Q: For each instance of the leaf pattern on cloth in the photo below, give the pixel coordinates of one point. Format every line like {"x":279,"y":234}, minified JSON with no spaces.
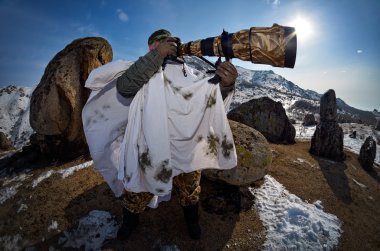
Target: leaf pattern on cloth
{"x":213,"y":144}
{"x":227,"y":147}
{"x":164,"y":173}
{"x":144,"y":160}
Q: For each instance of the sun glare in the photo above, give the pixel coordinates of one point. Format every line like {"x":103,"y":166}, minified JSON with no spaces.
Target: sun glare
{"x":303,"y":28}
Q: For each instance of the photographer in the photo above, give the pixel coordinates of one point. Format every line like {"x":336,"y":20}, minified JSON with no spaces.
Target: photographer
{"x":161,"y":45}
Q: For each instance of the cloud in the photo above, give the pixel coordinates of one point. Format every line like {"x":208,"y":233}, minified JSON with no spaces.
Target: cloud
{"x":122,"y":15}
{"x":86,"y":29}
{"x":359,"y":51}
{"x":274,"y":3}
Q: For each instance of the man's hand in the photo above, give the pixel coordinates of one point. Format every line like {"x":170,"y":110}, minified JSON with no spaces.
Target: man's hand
{"x":167,"y":47}
{"x":227,"y":73}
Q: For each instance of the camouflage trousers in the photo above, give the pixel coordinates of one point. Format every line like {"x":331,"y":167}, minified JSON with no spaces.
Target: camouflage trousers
{"x":186,"y":185}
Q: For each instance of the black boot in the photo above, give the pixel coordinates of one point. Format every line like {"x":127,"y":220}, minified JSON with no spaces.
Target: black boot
{"x":192,"y":221}
{"x":130,"y":221}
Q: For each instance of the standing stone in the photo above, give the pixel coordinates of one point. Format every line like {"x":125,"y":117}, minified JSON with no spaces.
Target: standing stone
{"x":327,"y":140}
{"x":377,"y":126}
{"x":254,"y":157}
{"x":309,"y":120}
{"x":368,"y":153}
{"x":266,"y":116}
{"x":57,"y":102}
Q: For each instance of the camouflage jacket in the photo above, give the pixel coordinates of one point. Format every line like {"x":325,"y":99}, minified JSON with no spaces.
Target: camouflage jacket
{"x":142,"y":70}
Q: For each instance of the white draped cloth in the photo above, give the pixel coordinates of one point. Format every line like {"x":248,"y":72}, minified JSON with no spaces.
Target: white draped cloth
{"x":175,"y":124}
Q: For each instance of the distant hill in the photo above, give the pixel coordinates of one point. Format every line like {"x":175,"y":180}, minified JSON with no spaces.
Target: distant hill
{"x":296,"y":101}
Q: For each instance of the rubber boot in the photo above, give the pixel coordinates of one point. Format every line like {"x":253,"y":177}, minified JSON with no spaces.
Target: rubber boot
{"x":130,"y":221}
{"x":192,"y":221}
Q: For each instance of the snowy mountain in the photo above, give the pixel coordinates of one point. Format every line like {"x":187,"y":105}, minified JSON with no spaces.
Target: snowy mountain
{"x":296,"y":101}
{"x":14,"y":113}
{"x":14,"y":101}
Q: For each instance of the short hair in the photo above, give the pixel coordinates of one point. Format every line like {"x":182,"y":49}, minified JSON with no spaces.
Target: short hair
{"x":158,"y":35}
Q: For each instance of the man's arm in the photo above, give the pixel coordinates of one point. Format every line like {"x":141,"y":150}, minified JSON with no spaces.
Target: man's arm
{"x":139,"y":74}
{"x":144,"y":68}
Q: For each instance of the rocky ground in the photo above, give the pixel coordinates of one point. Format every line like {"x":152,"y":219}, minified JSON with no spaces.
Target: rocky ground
{"x":44,"y":208}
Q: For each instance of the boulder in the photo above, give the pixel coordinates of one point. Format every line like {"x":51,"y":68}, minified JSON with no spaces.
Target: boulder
{"x":309,"y":120}
{"x":328,"y":112}
{"x":5,"y":143}
{"x":368,"y":153}
{"x":57,"y":102}
{"x":377,"y":126}
{"x":266,"y":116}
{"x":327,"y":140}
{"x":254,"y":157}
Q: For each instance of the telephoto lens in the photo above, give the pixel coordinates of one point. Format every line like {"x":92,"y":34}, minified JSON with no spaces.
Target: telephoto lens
{"x":276,"y":46}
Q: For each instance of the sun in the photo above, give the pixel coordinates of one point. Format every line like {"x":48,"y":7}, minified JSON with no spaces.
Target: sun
{"x":303,"y":27}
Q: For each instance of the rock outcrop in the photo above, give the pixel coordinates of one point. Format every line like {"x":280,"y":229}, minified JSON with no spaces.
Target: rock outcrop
{"x":266,"y":116}
{"x":5,"y":143}
{"x":327,"y":140}
{"x":254,"y":157}
{"x":368,"y":153}
{"x":57,"y":102}
{"x":309,"y":120}
{"x":377,"y":126}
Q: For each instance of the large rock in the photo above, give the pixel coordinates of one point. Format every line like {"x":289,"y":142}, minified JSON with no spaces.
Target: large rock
{"x":57,"y":102}
{"x":5,"y":143}
{"x":377,"y":126}
{"x":254,"y":157}
{"x":368,"y":153}
{"x":327,"y":107}
{"x":266,"y":116}
{"x":309,"y":120}
{"x":327,"y":140}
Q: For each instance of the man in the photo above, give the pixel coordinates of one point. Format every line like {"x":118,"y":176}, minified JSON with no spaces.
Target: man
{"x":187,"y":185}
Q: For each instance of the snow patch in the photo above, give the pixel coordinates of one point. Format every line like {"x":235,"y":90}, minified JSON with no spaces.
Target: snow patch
{"x":64,"y":172}
{"x":8,"y":192}
{"x":19,"y":178}
{"x":359,"y":184}
{"x":299,"y":160}
{"x":10,"y":243}
{"x":43,"y":176}
{"x":92,"y":231}
{"x":70,"y":171}
{"x":53,"y":226}
{"x":22,"y":207}
{"x":291,"y":223}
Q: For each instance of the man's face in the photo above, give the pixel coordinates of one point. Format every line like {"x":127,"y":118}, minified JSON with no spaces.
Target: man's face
{"x":154,"y":45}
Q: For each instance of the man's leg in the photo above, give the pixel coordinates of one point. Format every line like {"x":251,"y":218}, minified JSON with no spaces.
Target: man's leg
{"x":188,"y":188}
{"x":133,"y":205}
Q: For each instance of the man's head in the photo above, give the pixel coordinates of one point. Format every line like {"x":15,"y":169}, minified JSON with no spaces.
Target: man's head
{"x":156,"y":37}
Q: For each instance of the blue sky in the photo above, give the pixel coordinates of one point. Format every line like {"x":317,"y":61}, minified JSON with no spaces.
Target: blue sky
{"x":341,"y":51}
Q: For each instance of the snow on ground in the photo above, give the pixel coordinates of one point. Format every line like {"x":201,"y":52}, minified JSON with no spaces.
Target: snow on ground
{"x":10,"y":243}
{"x":69,"y":171}
{"x":92,"y":231}
{"x":359,"y":184}
{"x":53,"y":226}
{"x":64,"y":172}
{"x":301,"y":161}
{"x":353,"y":145}
{"x":8,"y":192}
{"x":10,"y":185}
{"x":304,"y":132}
{"x":291,"y":223}
{"x":14,"y":114}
